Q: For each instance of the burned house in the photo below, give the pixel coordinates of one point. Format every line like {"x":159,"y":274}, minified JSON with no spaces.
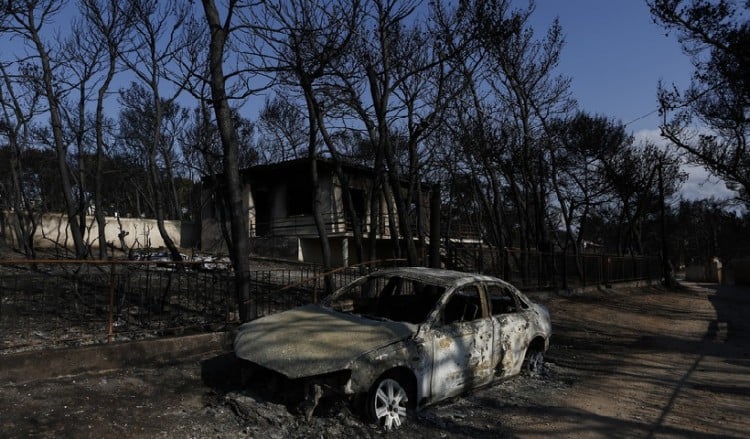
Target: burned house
{"x":279,"y":206}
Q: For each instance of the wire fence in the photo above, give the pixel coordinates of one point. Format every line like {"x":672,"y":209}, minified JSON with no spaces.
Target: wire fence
{"x":73,"y":303}
{"x":537,"y":270}
{"x":62,"y":303}
{"x":533,"y":270}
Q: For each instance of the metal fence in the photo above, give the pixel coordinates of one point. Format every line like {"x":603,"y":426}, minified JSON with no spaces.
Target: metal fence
{"x":533,"y":270}
{"x":537,"y":270}
{"x":72,"y":303}
{"x":57,"y":303}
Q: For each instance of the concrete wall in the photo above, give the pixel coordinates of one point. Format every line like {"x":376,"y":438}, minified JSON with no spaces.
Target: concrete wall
{"x":54,"y":231}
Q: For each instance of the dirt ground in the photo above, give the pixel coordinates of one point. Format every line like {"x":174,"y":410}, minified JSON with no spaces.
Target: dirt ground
{"x":623,"y":363}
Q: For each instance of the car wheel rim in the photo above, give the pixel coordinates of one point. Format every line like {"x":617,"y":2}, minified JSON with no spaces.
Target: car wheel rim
{"x":390,"y":404}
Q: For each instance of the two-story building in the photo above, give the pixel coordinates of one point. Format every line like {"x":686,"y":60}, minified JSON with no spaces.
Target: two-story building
{"x":279,"y":204}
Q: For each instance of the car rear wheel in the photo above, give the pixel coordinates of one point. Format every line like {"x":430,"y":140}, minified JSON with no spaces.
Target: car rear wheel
{"x":387,"y":403}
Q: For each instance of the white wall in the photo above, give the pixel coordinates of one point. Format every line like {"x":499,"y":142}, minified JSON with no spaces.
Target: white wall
{"x":54,"y":230}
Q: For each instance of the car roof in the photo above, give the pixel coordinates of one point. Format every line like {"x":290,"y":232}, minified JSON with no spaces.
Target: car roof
{"x":436,"y":276}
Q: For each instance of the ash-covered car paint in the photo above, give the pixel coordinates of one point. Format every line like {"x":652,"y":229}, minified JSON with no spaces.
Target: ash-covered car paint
{"x":404,"y":337}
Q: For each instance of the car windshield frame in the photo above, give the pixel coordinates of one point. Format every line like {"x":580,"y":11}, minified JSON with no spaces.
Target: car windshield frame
{"x":390,"y":296}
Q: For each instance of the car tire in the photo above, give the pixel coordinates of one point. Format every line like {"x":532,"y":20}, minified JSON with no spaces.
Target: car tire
{"x":387,"y":402}
{"x":534,"y":362}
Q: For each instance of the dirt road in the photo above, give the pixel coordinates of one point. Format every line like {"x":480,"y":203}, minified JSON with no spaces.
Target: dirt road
{"x":651,"y":364}
{"x":640,"y":362}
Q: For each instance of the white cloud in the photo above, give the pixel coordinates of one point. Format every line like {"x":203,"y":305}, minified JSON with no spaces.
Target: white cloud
{"x":652,"y":135}
{"x":700,"y":184}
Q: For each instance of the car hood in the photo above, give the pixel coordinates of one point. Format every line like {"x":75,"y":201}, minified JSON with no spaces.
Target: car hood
{"x":312,"y":340}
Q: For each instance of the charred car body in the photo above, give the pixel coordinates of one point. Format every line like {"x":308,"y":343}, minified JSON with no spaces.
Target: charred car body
{"x":403,"y":338}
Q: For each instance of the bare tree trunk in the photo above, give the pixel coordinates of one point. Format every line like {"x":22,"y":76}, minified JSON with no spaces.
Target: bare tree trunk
{"x":173,"y":210}
{"x":155,"y":178}
{"x":312,"y":120}
{"x":237,"y":212}
{"x":351,"y":211}
{"x":24,"y":223}
{"x":99,"y":178}
{"x":325,"y":246}
{"x":158,"y":193}
{"x":98,"y":193}
{"x":81,"y":250}
{"x":401,"y":208}
{"x":23,"y":212}
{"x":392,"y":221}
{"x":375,"y":215}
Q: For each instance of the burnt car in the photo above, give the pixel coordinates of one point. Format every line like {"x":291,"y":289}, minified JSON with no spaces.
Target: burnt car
{"x":401,"y":339}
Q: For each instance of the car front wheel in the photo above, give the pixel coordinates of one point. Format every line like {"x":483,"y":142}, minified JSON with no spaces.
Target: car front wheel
{"x":387,"y":403}
{"x":534,"y":362}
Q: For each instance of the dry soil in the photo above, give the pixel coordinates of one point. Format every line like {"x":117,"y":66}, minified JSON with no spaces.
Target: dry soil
{"x":623,"y":363}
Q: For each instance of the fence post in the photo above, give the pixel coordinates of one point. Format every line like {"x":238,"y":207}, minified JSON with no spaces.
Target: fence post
{"x":111,"y":302}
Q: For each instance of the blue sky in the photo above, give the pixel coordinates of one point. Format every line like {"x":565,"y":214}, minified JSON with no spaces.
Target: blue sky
{"x":615,"y":56}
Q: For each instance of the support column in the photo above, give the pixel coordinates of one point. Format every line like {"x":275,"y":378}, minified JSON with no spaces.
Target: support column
{"x":345,"y":251}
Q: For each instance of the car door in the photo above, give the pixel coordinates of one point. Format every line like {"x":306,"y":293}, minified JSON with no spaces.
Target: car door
{"x":510,"y":330}
{"x":460,"y":341}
